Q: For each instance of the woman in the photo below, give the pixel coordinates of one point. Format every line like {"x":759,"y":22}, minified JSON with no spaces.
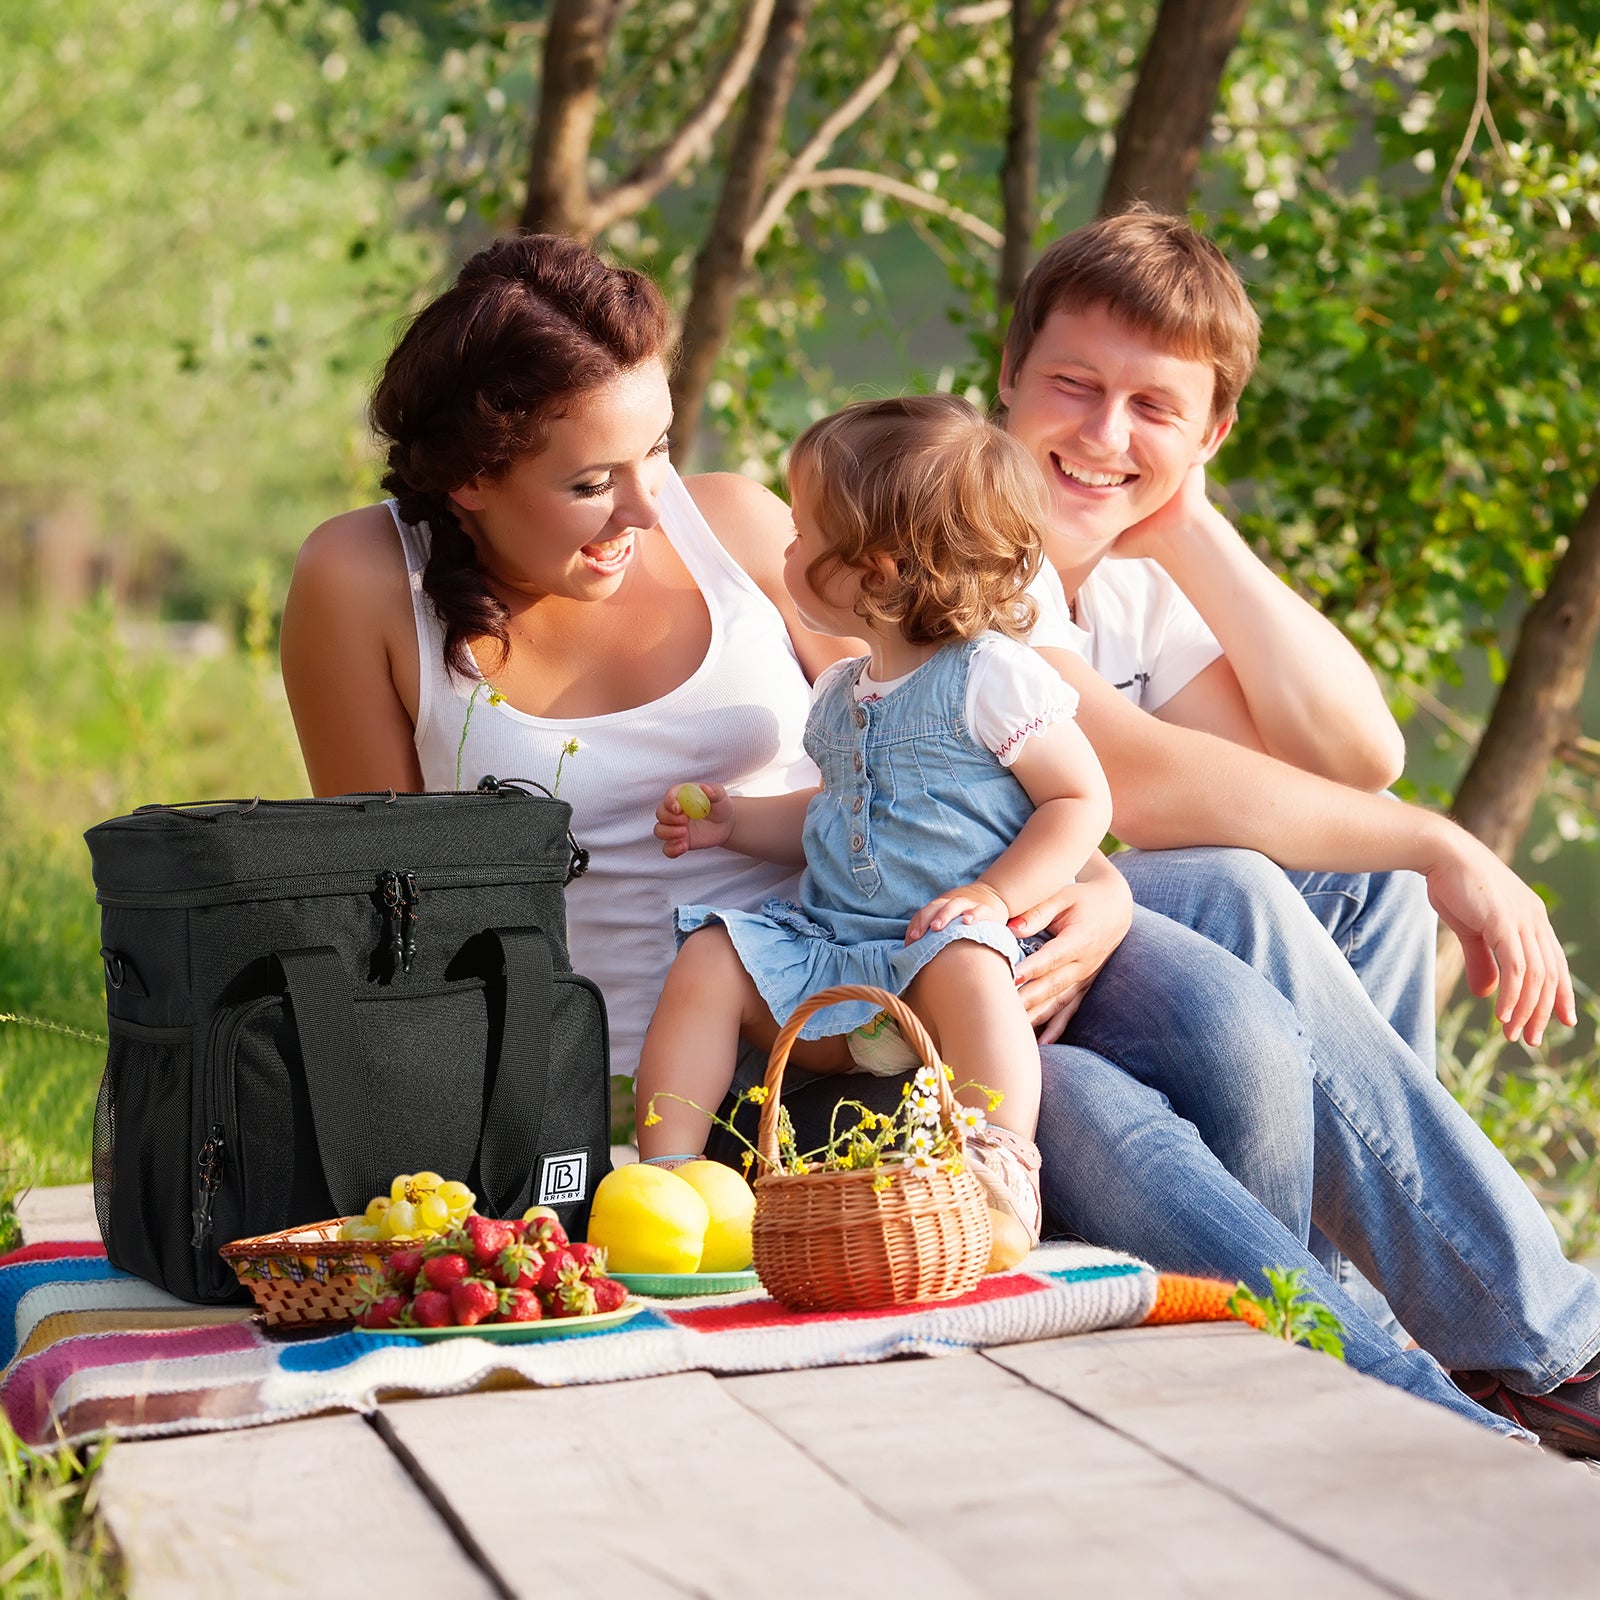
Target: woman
{"x":540,"y":541}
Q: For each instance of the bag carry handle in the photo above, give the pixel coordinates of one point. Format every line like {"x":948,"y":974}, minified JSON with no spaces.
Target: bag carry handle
{"x":330,"y":1040}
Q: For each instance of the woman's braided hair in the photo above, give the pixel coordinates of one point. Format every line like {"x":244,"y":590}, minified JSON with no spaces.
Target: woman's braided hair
{"x":476,"y":380}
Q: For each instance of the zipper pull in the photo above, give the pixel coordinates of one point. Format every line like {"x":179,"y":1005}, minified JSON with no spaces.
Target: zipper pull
{"x":389,"y":893}
{"x":210,"y":1172}
{"x":408,"y":901}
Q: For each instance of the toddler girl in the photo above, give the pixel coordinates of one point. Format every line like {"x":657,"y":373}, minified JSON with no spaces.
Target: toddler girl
{"x":957,"y":791}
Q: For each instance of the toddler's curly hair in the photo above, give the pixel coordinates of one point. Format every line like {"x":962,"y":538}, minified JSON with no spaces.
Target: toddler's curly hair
{"x":955,"y":502}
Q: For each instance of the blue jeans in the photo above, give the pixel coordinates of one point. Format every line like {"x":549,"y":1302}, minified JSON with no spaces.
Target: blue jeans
{"x":1381,"y":923}
{"x":1402,"y":1179}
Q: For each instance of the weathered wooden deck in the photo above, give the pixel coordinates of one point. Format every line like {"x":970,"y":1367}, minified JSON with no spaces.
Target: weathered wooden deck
{"x":1186,"y":1461}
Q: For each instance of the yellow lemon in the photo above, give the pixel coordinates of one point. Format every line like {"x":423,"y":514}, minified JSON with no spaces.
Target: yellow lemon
{"x":1010,"y":1241}
{"x":733,"y":1207}
{"x":648,"y":1220}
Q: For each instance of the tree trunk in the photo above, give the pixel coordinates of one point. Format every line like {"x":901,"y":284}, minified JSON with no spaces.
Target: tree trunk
{"x":719,"y":267}
{"x":1535,"y":712}
{"x":1033,"y":36}
{"x":1163,"y":130}
{"x":575,"y":45}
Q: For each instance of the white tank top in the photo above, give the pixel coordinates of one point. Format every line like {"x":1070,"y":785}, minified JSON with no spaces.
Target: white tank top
{"x":738,"y":719}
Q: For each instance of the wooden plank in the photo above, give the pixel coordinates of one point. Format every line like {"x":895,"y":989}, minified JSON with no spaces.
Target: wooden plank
{"x":318,"y":1507}
{"x":1027,"y":1496}
{"x":1412,"y":1495}
{"x":658,"y":1487}
{"x":65,"y":1212}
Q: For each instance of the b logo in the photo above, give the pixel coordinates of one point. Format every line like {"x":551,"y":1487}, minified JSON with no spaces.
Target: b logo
{"x":564,"y":1178}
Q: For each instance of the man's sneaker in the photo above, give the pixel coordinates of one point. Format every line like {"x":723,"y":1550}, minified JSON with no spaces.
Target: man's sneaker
{"x":1007,"y":1165}
{"x":1568,"y":1418}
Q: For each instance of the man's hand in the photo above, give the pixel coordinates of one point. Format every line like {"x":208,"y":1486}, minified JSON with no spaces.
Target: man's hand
{"x":1166,"y":523}
{"x":1506,"y":937}
{"x":1089,"y":920}
{"x":972,"y":902}
{"x":679,"y":833}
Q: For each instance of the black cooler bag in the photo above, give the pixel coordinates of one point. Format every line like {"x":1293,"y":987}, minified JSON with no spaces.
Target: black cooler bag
{"x":307,"y":997}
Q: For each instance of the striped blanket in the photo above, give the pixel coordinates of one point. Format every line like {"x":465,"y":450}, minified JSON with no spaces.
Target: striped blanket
{"x":87,"y":1349}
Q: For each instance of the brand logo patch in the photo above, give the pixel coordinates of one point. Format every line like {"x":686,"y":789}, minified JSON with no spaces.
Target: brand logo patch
{"x":563,"y":1178}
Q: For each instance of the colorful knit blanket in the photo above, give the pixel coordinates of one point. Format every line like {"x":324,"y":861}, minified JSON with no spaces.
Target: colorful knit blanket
{"x":87,"y":1349}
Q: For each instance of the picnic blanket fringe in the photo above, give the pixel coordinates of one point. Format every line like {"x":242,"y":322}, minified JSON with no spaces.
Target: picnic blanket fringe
{"x":88,"y":1350}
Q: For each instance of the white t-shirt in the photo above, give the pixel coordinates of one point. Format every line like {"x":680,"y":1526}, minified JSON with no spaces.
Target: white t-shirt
{"x":1011,"y":695}
{"x":1135,"y":627}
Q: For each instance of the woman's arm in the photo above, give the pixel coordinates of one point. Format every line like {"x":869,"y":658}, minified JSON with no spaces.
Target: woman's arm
{"x":755,"y":528}
{"x":346,"y":620}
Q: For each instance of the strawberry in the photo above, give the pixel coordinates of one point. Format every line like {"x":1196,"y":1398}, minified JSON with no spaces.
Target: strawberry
{"x":517,"y":1225}
{"x":591,"y":1257}
{"x":546,"y":1233}
{"x":517,"y":1266}
{"x":403,"y":1267}
{"x":520,"y":1305}
{"x":556,"y":1263}
{"x":446,"y":1271}
{"x":474,"y":1301}
{"x":574,"y":1298}
{"x":431,"y":1309}
{"x":385,"y":1311}
{"x":608,"y":1293}
{"x":488,"y":1237}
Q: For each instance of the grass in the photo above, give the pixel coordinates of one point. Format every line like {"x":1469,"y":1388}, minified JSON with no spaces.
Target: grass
{"x":90,"y":729}
{"x":1541,"y":1107}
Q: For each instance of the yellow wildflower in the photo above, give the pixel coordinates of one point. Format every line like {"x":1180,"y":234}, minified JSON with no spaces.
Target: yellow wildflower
{"x":651,"y":1119}
{"x":758,"y":1095}
{"x":496,"y":698}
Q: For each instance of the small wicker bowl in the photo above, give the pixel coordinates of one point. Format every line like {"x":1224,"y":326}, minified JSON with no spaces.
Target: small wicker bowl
{"x":308,"y":1274}
{"x":830,"y":1241}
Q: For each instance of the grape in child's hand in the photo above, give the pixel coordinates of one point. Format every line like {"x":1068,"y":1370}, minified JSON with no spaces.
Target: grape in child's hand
{"x":694,"y":802}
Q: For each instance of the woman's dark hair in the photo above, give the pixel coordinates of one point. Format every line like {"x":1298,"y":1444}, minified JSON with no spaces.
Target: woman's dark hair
{"x":476,"y":380}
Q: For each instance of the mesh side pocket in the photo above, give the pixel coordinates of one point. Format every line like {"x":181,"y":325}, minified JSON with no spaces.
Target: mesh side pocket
{"x":104,"y":1158}
{"x":144,"y":1160}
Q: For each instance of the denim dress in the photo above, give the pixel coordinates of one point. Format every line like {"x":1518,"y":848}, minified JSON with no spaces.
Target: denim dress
{"x":912,"y":805}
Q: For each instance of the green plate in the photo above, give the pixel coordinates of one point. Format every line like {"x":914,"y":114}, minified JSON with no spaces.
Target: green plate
{"x":679,"y":1285}
{"x":516,"y":1332}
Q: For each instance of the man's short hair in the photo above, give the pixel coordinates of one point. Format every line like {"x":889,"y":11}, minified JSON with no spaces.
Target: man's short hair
{"x":1158,"y":275}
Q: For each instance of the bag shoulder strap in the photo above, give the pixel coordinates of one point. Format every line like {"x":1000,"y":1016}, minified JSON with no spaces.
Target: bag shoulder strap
{"x":330,"y":1044}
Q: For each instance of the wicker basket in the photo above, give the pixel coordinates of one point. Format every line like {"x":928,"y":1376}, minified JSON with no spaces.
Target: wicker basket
{"x":830,"y":1241}
{"x":308,"y":1274}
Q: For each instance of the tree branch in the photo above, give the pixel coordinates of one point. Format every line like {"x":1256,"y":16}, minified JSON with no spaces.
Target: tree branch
{"x":907,"y":194}
{"x":848,"y":112}
{"x":575,"y":45}
{"x":693,"y":138}
{"x":1168,"y":115}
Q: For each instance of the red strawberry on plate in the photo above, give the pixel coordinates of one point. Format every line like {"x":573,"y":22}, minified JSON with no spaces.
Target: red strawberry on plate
{"x":517,"y":1266}
{"x":446,"y":1271}
{"x":591,"y":1257}
{"x":474,"y":1301}
{"x":558,"y":1262}
{"x":431,"y":1309}
{"x":488,"y":1236}
{"x":403,"y":1267}
{"x":520,"y":1305}
{"x":546,"y":1233}
{"x":609,"y":1295}
{"x":574,"y":1297}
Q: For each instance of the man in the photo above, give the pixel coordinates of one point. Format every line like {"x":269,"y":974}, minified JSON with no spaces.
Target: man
{"x":1228,"y":712}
